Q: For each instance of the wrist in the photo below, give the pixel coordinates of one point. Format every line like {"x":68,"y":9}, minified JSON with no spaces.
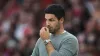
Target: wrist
{"x":47,"y":41}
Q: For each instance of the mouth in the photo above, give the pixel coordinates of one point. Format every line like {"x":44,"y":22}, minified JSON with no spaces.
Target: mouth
{"x":49,"y":27}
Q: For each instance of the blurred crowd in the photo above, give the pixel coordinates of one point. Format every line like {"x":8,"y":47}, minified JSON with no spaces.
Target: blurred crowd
{"x":21,"y":20}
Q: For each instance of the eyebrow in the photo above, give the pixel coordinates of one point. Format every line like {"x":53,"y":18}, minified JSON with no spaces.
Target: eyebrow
{"x":49,"y":19}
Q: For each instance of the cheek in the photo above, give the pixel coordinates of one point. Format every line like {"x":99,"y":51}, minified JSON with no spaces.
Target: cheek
{"x":55,"y":26}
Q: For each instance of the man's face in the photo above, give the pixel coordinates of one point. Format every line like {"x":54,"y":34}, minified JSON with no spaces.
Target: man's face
{"x":52,"y":23}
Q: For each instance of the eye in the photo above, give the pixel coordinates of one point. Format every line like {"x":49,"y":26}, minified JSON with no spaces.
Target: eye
{"x":51,"y":20}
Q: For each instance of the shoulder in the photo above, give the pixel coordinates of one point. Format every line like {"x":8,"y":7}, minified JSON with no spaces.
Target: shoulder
{"x":69,"y":36}
{"x":38,"y":41}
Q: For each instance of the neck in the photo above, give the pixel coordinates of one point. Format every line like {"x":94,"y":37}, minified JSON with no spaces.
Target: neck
{"x":60,"y":31}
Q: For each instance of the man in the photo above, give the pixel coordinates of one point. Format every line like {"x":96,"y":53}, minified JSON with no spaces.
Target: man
{"x":54,"y":40}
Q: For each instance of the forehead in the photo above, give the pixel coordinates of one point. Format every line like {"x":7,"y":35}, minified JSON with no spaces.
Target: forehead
{"x":49,"y":16}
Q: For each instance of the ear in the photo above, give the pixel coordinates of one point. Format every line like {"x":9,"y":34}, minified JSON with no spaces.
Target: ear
{"x":62,"y":20}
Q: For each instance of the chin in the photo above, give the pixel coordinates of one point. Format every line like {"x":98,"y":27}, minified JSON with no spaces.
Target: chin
{"x":52,"y":32}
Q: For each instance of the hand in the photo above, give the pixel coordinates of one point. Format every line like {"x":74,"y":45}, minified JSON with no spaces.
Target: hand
{"x":44,"y":33}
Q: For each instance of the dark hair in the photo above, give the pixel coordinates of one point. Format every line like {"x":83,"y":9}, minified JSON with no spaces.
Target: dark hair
{"x":55,"y":9}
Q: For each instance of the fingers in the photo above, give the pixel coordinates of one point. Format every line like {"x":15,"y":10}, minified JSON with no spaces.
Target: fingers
{"x":47,"y":29}
{"x":43,"y":30}
{"x":44,"y":33}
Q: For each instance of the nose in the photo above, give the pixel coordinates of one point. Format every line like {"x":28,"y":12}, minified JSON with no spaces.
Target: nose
{"x":47,"y":23}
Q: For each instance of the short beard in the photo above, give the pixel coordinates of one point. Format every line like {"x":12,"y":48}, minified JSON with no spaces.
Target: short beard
{"x":56,"y":29}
